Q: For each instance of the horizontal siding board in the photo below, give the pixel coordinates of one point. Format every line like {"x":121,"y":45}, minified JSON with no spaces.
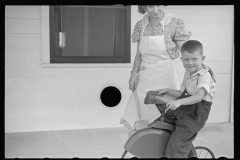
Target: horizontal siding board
{"x":221,"y":42}
{"x":30,"y":55}
{"x":220,"y":67}
{"x":31,"y":124}
{"x":218,"y":54}
{"x":65,"y":83}
{"x":215,"y":54}
{"x":23,"y":41}
{"x":37,"y":83}
{"x":22,"y":26}
{"x":99,"y":82}
{"x":100,"y":71}
{"x":220,"y":111}
{"x":222,"y":92}
{"x":35,"y":123}
{"x":217,"y":67}
{"x":44,"y":108}
{"x":33,"y":69}
{"x":36,"y":69}
{"x":204,"y":7}
{"x":34,"y":97}
{"x":107,"y":121}
{"x":211,"y":29}
{"x":202,"y":15}
{"x":23,"y":12}
{"x":222,"y":79}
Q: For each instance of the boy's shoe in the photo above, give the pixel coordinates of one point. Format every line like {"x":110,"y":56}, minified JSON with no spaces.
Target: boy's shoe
{"x":150,"y":97}
{"x":153,"y":98}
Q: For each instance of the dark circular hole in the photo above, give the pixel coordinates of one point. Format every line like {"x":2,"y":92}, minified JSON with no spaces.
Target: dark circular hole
{"x":111,"y":96}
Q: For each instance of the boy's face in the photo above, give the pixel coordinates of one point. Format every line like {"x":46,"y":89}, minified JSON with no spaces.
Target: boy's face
{"x":192,"y":62}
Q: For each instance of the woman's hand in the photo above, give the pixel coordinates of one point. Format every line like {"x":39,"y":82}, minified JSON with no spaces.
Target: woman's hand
{"x":210,"y":71}
{"x":133,"y":82}
{"x":161,"y":92}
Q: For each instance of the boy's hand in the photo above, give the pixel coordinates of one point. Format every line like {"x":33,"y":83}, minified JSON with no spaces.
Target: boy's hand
{"x":161,"y":92}
{"x":173,"y":105}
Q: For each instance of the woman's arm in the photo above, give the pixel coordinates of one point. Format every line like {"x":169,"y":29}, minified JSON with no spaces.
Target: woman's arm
{"x":137,"y":62}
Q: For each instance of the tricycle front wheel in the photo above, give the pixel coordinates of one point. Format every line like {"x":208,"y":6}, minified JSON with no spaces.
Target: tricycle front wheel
{"x":126,"y":154}
{"x":204,"y":152}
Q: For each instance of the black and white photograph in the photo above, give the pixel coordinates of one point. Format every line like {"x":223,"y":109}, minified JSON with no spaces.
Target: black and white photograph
{"x":119,"y":81}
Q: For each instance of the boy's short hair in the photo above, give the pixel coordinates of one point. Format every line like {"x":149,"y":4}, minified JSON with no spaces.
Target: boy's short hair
{"x":192,"y":46}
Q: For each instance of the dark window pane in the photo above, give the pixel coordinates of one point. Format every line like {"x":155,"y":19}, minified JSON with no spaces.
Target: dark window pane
{"x":72,"y":26}
{"x":87,"y":31}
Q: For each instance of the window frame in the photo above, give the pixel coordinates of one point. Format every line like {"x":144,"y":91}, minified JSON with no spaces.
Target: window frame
{"x":54,"y":30}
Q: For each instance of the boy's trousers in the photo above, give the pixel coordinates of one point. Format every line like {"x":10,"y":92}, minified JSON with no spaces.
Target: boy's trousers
{"x":188,"y":119}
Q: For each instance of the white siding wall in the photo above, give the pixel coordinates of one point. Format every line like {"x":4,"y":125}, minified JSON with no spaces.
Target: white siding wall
{"x":38,"y":99}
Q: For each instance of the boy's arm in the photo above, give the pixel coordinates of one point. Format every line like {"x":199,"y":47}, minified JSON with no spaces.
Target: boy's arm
{"x":175,"y":93}
{"x":193,"y":99}
{"x":187,"y":101}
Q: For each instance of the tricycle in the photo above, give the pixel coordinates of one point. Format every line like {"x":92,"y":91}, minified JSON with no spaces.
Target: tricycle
{"x":151,"y":142}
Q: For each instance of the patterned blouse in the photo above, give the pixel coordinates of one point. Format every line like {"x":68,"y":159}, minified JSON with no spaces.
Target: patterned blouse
{"x":173,"y":31}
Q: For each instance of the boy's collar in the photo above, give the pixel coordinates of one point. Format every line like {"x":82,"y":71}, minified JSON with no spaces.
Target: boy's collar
{"x":200,"y":72}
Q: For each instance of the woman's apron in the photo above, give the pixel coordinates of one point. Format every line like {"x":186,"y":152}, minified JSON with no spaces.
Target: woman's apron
{"x":156,"y":71}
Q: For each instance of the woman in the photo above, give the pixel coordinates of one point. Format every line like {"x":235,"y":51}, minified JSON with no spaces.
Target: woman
{"x":159,"y":37}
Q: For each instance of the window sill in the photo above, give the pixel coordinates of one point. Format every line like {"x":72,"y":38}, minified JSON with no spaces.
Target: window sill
{"x":89,"y":65}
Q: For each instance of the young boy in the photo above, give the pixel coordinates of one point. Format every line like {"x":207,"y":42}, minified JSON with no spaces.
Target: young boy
{"x":190,"y":110}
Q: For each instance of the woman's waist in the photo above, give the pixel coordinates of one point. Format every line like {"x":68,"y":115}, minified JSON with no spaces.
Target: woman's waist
{"x":157,"y":62}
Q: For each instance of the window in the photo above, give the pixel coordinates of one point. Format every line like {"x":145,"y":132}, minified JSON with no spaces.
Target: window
{"x":90,"y":34}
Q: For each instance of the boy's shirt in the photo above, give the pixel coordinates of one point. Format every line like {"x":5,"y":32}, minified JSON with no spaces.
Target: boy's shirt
{"x":200,"y":79}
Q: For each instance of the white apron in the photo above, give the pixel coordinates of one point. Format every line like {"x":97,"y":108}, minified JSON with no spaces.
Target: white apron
{"x":156,"y":71}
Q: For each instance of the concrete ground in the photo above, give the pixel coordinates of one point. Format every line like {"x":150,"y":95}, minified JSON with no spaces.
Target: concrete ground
{"x":99,"y":143}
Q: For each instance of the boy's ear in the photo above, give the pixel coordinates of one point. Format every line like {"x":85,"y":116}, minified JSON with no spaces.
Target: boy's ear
{"x":203,"y":58}
{"x":181,"y":58}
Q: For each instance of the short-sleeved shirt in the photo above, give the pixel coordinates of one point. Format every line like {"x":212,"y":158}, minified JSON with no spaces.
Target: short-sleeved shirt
{"x":174,"y":30}
{"x":200,"y":79}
